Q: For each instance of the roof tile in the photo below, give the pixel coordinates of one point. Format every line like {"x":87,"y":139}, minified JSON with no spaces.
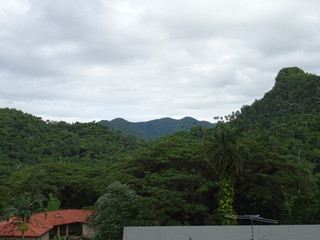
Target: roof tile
{"x":40,"y":223}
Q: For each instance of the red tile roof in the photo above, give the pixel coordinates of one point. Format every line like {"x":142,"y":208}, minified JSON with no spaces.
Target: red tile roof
{"x":35,"y":228}
{"x":40,"y":223}
{"x":62,"y":217}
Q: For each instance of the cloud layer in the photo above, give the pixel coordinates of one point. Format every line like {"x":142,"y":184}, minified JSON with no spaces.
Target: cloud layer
{"x":89,"y":60}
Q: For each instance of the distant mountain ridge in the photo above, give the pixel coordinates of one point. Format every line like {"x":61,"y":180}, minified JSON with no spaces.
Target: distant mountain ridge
{"x":155,"y":128}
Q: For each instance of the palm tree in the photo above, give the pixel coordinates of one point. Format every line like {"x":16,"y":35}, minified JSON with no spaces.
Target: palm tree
{"x":226,"y":159}
{"x":23,"y":207}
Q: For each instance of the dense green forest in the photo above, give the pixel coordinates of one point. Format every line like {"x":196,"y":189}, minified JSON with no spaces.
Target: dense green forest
{"x":265,"y":159}
{"x":153,"y":129}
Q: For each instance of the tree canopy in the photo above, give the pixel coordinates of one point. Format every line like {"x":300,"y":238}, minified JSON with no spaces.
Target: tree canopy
{"x":114,"y":210}
{"x":178,"y":179}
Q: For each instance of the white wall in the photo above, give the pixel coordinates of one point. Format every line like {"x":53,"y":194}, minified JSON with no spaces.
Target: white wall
{"x":265,"y":232}
{"x":42,"y":237}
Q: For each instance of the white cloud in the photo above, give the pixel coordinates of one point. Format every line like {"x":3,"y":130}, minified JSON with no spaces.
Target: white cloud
{"x":89,"y":60}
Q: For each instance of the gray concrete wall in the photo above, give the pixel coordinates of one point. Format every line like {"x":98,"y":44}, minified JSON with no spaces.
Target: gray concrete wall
{"x":264,"y":232}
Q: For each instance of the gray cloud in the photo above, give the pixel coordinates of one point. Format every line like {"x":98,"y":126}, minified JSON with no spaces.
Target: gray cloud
{"x":95,"y":59}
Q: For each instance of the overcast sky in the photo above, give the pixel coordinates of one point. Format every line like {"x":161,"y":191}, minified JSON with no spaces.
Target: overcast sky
{"x":86,"y":60}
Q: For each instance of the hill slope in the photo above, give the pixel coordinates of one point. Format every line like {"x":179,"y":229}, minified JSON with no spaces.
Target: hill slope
{"x":156,"y":128}
{"x":28,"y":139}
{"x":287,"y":118}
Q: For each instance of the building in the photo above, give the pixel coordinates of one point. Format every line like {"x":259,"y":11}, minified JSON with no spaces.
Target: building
{"x":240,"y":232}
{"x":44,"y":226}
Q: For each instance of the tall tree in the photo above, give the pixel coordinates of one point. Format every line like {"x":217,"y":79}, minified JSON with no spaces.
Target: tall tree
{"x":23,"y":207}
{"x":226,"y":159}
{"x":114,"y":210}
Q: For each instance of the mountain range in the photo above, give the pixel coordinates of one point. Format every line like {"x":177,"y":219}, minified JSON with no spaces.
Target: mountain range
{"x":150,"y":130}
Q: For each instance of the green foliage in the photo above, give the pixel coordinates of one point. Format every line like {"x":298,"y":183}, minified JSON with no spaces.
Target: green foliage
{"x":283,"y":130}
{"x":29,"y":140}
{"x":58,"y":237}
{"x":287,"y":119}
{"x":171,"y":177}
{"x":5,"y":193}
{"x":226,"y":195}
{"x":226,"y":160}
{"x":53,"y":203}
{"x":23,"y":207}
{"x":225,"y":154}
{"x":114,"y":210}
{"x":125,"y":127}
{"x":66,"y":181}
{"x":23,"y":226}
{"x":270,"y":184}
{"x":151,"y":130}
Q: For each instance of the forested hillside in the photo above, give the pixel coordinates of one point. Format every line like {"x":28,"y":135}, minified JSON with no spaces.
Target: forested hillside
{"x":286,"y":123}
{"x":264,"y":161}
{"x":28,"y":139}
{"x":64,"y":159}
{"x":153,"y":129}
{"x":287,"y":118}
